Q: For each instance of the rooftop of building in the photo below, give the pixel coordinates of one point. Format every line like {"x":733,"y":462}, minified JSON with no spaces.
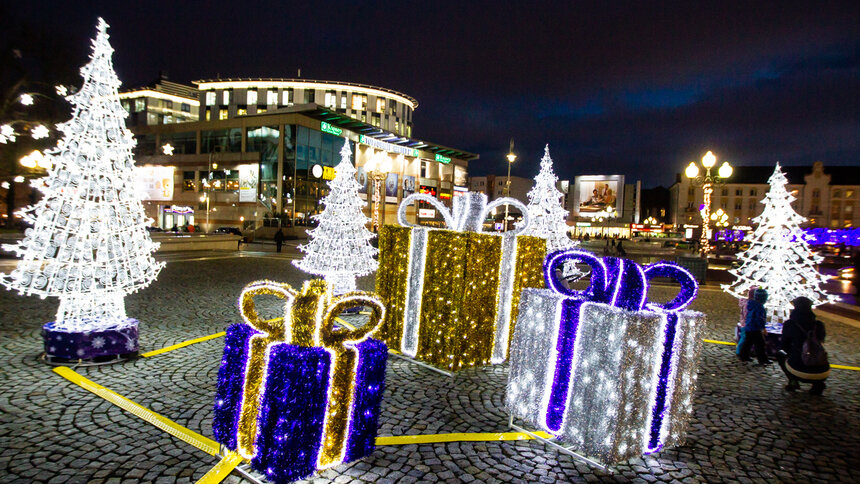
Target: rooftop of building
{"x":277,"y":81}
{"x":162,"y":85}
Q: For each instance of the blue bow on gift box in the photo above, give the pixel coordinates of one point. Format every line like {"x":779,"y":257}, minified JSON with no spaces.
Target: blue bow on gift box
{"x":620,"y":283}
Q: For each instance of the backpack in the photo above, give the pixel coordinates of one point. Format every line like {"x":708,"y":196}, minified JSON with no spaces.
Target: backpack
{"x":812,"y":353}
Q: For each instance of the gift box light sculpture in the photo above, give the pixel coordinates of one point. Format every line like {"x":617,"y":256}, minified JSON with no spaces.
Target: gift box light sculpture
{"x":88,"y":245}
{"x":295,"y":394}
{"x":450,"y":293}
{"x":604,"y":369}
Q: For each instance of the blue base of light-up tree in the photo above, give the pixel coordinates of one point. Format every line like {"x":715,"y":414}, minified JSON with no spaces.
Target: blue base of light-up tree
{"x":118,"y":341}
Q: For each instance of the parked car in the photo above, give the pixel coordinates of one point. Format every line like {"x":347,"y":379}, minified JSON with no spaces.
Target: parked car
{"x":228,"y":230}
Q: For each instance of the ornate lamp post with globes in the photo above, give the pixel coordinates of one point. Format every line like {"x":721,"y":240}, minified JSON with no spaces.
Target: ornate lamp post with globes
{"x":377,"y":169}
{"x":707,"y":182}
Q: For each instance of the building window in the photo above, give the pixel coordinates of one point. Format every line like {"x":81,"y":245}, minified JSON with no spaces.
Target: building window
{"x":310,"y":96}
{"x":752,"y":205}
{"x":393,"y":107}
{"x":186,"y":108}
{"x":261,"y":110}
{"x":359,"y":102}
{"x":331,"y":99}
{"x":139,"y":105}
{"x":738,"y":205}
{"x":343,"y":100}
{"x":739,"y":192}
{"x":691,"y":192}
{"x":251,"y":97}
{"x":222,"y":114}
{"x":837,"y":193}
{"x":188,"y":184}
{"x":208,"y":114}
{"x":286,"y":96}
{"x":210,"y":98}
{"x":849,"y":193}
{"x":225,"y":97}
{"x":167,"y":104}
{"x":725,"y":192}
{"x":126,"y":106}
{"x":380,"y":105}
{"x":753,"y":192}
{"x":816,"y":193}
{"x":375,"y":120}
{"x":241,"y":111}
{"x":272,"y":97}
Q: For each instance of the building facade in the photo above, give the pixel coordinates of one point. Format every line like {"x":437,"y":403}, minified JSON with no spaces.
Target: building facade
{"x":271,"y":168}
{"x":391,"y":111}
{"x":162,"y":102}
{"x":828,"y":197}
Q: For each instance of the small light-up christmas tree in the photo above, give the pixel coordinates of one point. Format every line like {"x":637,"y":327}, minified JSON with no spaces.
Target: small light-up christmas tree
{"x":548,"y":216}
{"x":339,"y":249}
{"x":88,"y":244}
{"x":779,"y":259}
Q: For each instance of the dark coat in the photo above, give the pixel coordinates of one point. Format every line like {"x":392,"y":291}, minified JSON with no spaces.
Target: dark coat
{"x":794,"y":332}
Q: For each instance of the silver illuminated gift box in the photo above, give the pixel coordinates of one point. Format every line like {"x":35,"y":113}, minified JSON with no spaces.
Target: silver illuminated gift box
{"x":602,"y":369}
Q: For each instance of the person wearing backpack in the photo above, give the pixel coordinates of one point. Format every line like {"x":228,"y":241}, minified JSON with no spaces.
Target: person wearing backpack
{"x":803,"y":358}
{"x":754,"y":328}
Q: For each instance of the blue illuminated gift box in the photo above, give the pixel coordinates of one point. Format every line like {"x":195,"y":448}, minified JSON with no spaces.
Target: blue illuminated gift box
{"x":294,"y":394}
{"x":602,"y":369}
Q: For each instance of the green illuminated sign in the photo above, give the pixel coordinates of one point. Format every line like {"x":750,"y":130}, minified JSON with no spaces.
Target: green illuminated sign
{"x":328,"y":128}
{"x":442,"y":159}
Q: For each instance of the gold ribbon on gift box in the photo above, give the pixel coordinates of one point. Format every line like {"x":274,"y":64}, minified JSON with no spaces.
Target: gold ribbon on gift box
{"x":450,"y":293}
{"x":308,"y":321}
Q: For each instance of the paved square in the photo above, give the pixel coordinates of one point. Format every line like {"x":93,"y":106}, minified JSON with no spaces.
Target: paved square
{"x":745,"y":427}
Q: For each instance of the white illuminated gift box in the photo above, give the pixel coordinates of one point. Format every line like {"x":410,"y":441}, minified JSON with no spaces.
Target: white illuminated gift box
{"x":602,"y":369}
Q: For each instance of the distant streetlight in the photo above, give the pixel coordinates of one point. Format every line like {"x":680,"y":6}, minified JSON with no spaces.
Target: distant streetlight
{"x":512,"y":157}
{"x":707,"y":182}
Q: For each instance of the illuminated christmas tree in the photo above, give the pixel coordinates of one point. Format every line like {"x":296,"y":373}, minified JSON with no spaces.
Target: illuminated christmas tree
{"x":339,"y":248}
{"x":548,"y":216}
{"x":779,"y":259}
{"x":88,"y":244}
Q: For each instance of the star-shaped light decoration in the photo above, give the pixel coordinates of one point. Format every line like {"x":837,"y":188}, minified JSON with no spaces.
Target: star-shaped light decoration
{"x":27,"y":99}
{"x":167,"y":149}
{"x":39,"y":132}
{"x":7,"y":134}
{"x":62,"y":90}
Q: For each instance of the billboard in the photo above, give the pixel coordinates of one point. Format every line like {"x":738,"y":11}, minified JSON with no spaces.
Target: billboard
{"x":408,"y":185}
{"x":598,"y":195}
{"x":155,"y":182}
{"x":248,"y":183}
{"x":391,"y":188}
{"x":361,"y":177}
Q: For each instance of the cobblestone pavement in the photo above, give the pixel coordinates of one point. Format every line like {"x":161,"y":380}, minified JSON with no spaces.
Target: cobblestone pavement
{"x":745,"y":427}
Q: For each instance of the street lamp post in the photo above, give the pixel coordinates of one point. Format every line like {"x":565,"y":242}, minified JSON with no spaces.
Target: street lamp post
{"x":377,"y":169}
{"x":511,"y":158}
{"x":707,"y":182}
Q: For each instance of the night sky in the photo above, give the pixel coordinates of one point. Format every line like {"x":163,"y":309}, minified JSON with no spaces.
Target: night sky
{"x":631,"y":89}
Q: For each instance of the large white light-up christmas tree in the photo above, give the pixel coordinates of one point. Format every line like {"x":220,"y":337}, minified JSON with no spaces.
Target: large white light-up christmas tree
{"x":88,"y":244}
{"x":779,"y":259}
{"x":339,"y":248}
{"x":548,"y":216}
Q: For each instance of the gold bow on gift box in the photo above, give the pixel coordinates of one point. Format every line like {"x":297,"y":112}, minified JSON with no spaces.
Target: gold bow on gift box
{"x":308,"y":321}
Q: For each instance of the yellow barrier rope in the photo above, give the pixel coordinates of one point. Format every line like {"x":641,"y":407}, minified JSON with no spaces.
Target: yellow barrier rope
{"x":203,"y":443}
{"x":183,"y":344}
{"x":222,"y":469}
{"x":465,"y":437}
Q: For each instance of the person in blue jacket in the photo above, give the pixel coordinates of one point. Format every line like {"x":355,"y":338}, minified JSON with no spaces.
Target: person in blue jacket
{"x":801,"y":321}
{"x":754,"y":327}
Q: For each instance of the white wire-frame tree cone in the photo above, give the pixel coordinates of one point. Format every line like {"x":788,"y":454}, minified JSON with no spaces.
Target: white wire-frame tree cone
{"x":548,"y":216}
{"x":88,"y":244}
{"x":339,"y":248}
{"x":779,"y":258}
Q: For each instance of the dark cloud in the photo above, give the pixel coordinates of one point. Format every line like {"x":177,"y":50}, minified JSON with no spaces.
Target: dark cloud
{"x":637,"y":88}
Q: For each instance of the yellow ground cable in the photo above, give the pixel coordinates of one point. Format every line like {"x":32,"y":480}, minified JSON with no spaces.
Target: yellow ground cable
{"x":189,"y":436}
{"x":222,"y":469}
{"x":183,"y":344}
{"x":841,"y":367}
{"x":467,"y":437}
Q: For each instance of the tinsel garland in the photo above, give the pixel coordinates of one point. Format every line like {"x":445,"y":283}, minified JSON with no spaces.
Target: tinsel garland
{"x":295,"y":394}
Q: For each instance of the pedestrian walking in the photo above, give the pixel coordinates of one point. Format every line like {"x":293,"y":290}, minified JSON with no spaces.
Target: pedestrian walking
{"x":740,"y":335}
{"x":802,"y":357}
{"x":620,"y":250}
{"x":754,"y":328}
{"x":279,"y":239}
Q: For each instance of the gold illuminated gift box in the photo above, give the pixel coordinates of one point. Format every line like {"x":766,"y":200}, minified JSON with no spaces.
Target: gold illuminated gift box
{"x":451,"y":293}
